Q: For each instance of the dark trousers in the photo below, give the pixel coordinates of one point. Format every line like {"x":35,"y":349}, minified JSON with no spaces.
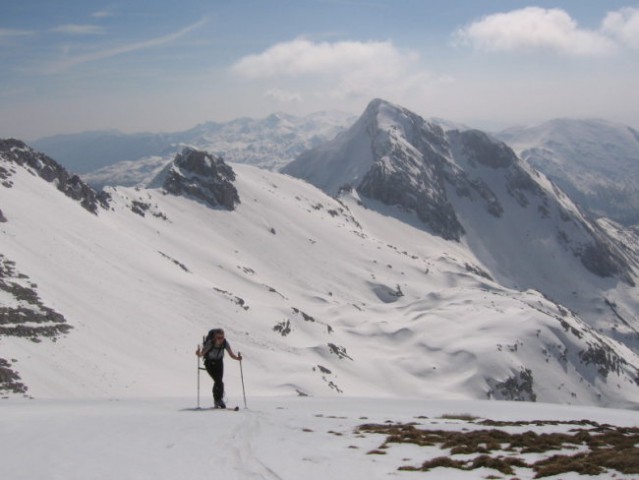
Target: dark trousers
{"x":215,"y":369}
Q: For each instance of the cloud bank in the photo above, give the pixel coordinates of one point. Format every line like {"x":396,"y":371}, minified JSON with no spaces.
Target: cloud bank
{"x":623,"y":25}
{"x":339,"y":69}
{"x":303,"y":57}
{"x":540,"y":29}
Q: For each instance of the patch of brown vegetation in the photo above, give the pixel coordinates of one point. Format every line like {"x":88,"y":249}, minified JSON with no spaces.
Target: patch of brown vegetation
{"x":608,"y":447}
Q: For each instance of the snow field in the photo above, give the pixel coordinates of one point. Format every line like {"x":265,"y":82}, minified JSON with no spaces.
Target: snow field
{"x":276,"y":438}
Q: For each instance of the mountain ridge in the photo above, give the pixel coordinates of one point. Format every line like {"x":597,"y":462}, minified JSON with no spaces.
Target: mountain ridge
{"x":595,"y":161}
{"x":402,"y":159}
{"x":105,"y":157}
{"x":323,"y":295}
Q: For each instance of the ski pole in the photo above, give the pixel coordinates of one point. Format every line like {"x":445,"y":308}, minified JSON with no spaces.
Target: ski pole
{"x":198,"y":381}
{"x":242,"y":377}
{"x":198,"y":373}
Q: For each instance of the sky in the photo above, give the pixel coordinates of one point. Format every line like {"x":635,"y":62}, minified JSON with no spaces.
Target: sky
{"x":163,"y":66}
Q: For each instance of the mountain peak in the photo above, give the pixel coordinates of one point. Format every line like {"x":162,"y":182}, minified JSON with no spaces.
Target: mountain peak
{"x":392,"y":155}
{"x":459,"y":182}
{"x":389,"y":115}
{"x":199,"y":174}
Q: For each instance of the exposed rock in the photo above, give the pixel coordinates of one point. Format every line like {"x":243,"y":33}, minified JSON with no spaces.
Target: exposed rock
{"x":10,"y":381}
{"x":518,"y":387}
{"x":24,"y":315}
{"x":480,"y":148}
{"x":48,"y":169}
{"x":202,"y":176}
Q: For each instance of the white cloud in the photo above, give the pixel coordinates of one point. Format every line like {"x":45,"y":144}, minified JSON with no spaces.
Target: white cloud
{"x":303,"y":57}
{"x":339,"y":69}
{"x":534,"y":28}
{"x":74,"y":29}
{"x":624,"y":26}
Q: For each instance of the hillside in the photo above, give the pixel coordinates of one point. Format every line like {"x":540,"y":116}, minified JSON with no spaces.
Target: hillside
{"x":321,"y":295}
{"x":470,"y":188}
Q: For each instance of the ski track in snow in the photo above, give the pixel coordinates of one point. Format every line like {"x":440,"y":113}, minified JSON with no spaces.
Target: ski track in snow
{"x":276,"y":438}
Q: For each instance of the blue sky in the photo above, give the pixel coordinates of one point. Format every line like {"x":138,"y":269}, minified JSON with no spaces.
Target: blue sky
{"x":70,"y":66}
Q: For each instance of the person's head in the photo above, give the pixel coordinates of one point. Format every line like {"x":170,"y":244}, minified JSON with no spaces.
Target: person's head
{"x":219,"y":334}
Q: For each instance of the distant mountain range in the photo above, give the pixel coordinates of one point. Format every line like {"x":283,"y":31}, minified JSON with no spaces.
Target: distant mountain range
{"x":428,"y":263}
{"x":113,"y":158}
{"x":594,"y":161}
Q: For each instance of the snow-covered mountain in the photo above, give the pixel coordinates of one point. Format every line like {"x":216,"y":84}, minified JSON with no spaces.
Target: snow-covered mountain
{"x":113,"y":158}
{"x":322,"y":295}
{"x":596,"y":162}
{"x":465,"y":185}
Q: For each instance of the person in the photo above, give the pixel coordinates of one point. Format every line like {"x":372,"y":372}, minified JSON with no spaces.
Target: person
{"x":213,"y":354}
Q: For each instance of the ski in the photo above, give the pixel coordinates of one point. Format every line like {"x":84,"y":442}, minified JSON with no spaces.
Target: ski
{"x":205,"y":409}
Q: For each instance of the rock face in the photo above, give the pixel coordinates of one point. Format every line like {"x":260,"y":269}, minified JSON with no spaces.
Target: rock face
{"x":392,"y":155}
{"x":201,"y":176}
{"x":459,"y":183}
{"x":17,"y":152}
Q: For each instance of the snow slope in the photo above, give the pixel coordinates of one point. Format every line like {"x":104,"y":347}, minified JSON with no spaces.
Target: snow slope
{"x":468,"y":187}
{"x":276,"y":438}
{"x":596,"y":162}
{"x":321,"y":296}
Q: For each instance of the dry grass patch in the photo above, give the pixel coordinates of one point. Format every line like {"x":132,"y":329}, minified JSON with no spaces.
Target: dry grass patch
{"x":606,"y":447}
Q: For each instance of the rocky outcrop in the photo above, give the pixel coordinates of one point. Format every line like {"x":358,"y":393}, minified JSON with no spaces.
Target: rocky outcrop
{"x":202,"y":176}
{"x":18,"y":153}
{"x":23,"y":314}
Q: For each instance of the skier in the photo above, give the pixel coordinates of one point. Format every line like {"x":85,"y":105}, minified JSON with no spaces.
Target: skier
{"x":213,"y":353}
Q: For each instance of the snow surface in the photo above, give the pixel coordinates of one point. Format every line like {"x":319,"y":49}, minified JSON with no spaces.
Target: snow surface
{"x":275,"y":438}
{"x":383,"y":321}
{"x":531,"y":244}
{"x":373,"y":305}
